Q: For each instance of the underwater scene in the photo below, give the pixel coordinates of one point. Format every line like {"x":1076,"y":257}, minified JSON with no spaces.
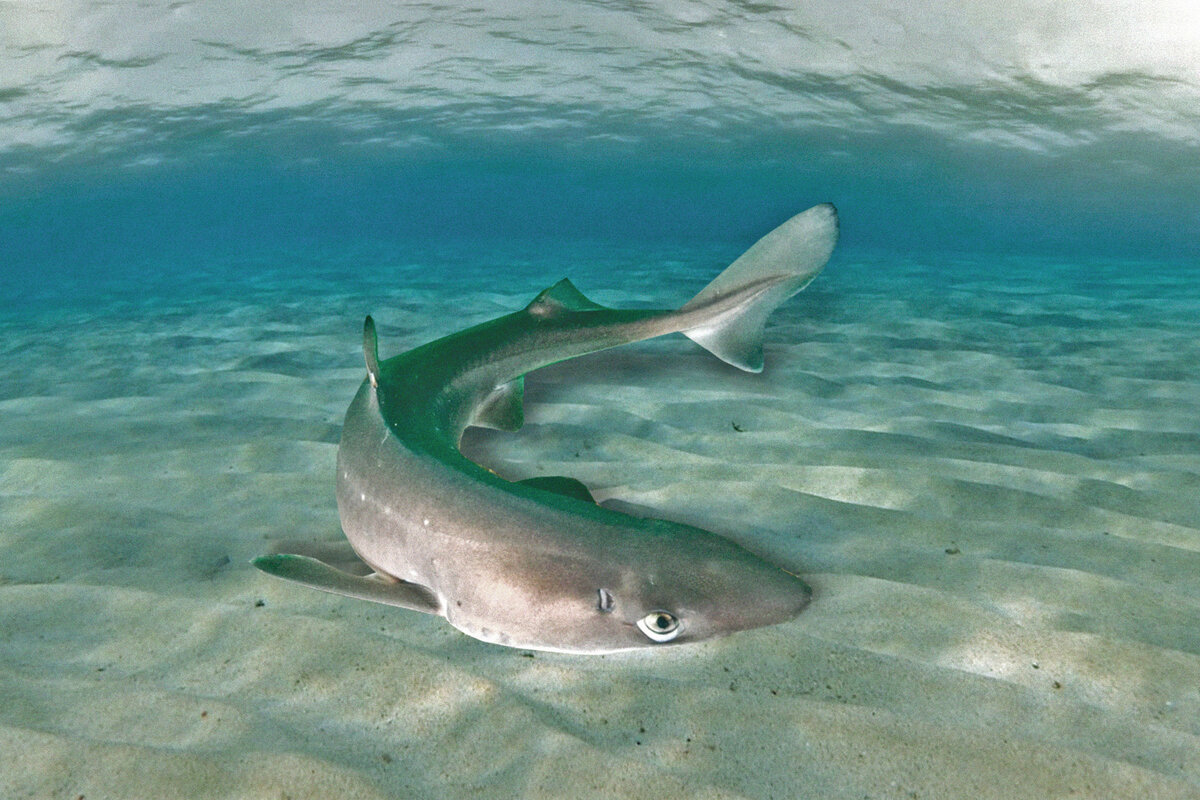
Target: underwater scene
{"x":973,"y":449}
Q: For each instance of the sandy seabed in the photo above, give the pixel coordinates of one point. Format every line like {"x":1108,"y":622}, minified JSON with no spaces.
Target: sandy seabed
{"x":988,"y":472}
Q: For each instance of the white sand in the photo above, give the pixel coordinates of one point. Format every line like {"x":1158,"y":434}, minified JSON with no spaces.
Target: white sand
{"x":992,"y":485}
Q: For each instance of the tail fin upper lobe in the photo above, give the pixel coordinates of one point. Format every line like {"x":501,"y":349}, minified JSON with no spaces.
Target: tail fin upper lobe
{"x":781,"y":264}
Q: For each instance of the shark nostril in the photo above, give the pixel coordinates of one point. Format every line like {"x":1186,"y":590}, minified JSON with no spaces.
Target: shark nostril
{"x":604,"y":600}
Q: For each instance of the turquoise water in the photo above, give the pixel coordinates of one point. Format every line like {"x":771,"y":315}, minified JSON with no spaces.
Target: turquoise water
{"x":69,"y":228}
{"x":976,"y":435}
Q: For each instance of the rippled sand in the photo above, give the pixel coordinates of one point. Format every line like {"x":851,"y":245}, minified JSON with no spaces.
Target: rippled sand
{"x":992,"y":484}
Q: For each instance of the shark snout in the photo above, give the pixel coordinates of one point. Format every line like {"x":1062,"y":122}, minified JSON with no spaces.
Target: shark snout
{"x":753,"y":594}
{"x":791,"y":597}
{"x":777,"y":597}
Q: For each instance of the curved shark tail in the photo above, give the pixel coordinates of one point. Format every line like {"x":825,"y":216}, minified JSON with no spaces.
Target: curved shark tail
{"x":780,"y":264}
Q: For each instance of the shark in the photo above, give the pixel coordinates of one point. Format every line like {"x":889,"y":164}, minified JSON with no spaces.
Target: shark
{"x":537,"y":564}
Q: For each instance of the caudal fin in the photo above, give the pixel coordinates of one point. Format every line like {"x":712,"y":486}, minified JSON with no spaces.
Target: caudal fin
{"x":780,"y":264}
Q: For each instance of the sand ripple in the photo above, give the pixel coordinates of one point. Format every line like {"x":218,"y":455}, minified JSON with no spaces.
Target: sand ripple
{"x":993,"y":485}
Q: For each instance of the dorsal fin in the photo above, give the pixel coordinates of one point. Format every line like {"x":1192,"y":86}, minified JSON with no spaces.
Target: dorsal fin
{"x":371,"y":350}
{"x":561,"y":297}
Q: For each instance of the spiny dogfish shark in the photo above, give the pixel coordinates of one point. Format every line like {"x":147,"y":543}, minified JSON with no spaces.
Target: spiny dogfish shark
{"x":537,"y":564}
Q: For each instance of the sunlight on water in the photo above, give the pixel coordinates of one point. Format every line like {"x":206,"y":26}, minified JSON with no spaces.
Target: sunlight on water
{"x":1027,"y":74}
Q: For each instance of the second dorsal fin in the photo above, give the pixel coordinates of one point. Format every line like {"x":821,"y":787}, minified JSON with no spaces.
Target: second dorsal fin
{"x":559,"y":298}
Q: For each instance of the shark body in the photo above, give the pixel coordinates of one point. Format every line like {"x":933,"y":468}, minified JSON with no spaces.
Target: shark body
{"x":537,"y":564}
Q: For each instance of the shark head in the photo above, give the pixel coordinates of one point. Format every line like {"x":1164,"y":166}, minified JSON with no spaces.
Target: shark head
{"x":672,"y":594}
{"x":672,"y":585}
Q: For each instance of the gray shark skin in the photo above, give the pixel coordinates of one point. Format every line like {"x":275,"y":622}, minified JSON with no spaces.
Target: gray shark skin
{"x":536,"y":564}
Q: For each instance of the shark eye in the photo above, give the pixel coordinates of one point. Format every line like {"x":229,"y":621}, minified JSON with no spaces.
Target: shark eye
{"x":660,"y":626}
{"x":604,"y":600}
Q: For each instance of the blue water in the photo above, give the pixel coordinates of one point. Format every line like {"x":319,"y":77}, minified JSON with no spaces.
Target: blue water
{"x":88,"y":224}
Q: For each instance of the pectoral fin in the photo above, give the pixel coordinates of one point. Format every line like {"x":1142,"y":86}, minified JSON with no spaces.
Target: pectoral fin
{"x":319,"y":575}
